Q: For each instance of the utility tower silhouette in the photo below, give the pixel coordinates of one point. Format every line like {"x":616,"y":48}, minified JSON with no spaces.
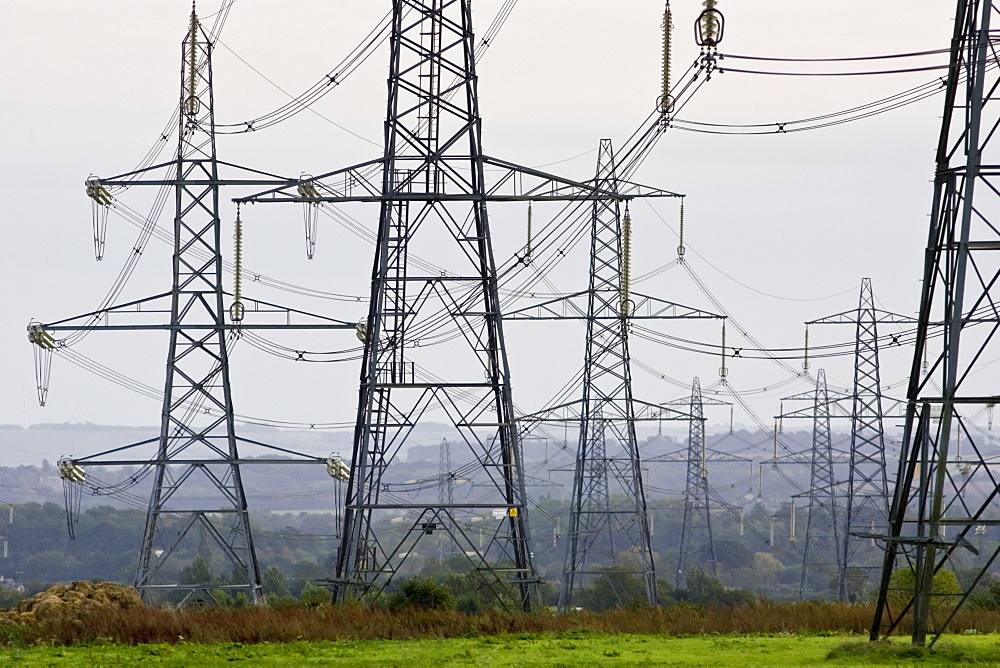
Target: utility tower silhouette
{"x":944,"y":498}
{"x":597,"y":526}
{"x":697,"y":513}
{"x":822,"y":546}
{"x":867,"y":498}
{"x":433,"y":184}
{"x":697,"y":543}
{"x":446,"y":491}
{"x":197,"y":448}
{"x":608,"y":520}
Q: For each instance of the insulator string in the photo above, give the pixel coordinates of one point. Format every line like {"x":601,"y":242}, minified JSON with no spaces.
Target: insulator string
{"x":527,"y":251}
{"x":665,"y":102}
{"x":236,"y":310}
{"x":626,"y":260}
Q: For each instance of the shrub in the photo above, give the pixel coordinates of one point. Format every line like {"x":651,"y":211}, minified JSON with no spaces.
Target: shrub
{"x":9,"y":597}
{"x":313,"y":596}
{"x":422,"y":594}
{"x":945,"y":588}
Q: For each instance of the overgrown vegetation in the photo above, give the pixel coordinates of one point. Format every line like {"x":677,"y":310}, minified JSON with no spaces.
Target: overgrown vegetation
{"x":421,"y":594}
{"x":257,"y":624}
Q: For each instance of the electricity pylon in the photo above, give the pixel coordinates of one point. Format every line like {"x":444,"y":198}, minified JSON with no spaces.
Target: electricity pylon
{"x":822,"y":547}
{"x":599,"y":528}
{"x":446,"y":490}
{"x":697,"y":512}
{"x":433,"y":184}
{"x":944,"y":498}
{"x":608,"y":521}
{"x":867,"y":499}
{"x":697,"y":542}
{"x":197,"y":445}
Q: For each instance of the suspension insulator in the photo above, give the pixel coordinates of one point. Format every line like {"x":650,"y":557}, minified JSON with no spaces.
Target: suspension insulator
{"x":236,"y":310}
{"x":101,"y":201}
{"x":307,"y":187}
{"x":680,"y":248}
{"x":666,"y":102}
{"x":97,"y":192}
{"x":40,"y":337}
{"x":626,"y":262}
{"x":336,"y":468}
{"x":805,"y":357}
{"x":307,"y":190}
{"x":709,"y":26}
{"x":703,"y":473}
{"x":192,"y":103}
{"x":71,"y":471}
{"x":527,"y":250}
{"x":723,"y":371}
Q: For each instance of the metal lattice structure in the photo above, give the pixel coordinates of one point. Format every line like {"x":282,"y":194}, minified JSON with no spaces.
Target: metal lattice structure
{"x":197,"y":448}
{"x":944,"y":497}
{"x":446,"y":491}
{"x":821,"y":551}
{"x":434,"y":151}
{"x":603,"y":533}
{"x":433,"y":185}
{"x":697,"y":523}
{"x":608,"y":526}
{"x":197,"y":363}
{"x":866,"y":509}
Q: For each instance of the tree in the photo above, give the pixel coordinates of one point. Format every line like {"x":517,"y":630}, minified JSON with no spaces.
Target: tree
{"x":944,"y":588}
{"x":423,"y":594}
{"x":615,"y":588}
{"x":767,"y":566}
{"x":732,"y":554}
{"x":273,"y":582}
{"x":197,"y":572}
{"x":703,"y":589}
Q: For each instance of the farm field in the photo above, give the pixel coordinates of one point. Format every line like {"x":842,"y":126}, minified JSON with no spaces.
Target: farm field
{"x":573,"y":648}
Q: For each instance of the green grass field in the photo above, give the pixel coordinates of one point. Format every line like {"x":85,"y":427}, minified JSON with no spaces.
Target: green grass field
{"x":584,"y":648}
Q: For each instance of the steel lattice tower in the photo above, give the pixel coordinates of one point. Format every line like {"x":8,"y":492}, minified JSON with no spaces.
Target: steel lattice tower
{"x":433,"y":151}
{"x":197,"y":445}
{"x":936,"y":507}
{"x":697,"y":514}
{"x":607,"y":532}
{"x":599,"y":528}
{"x":822,"y":546}
{"x":446,"y":494}
{"x":446,"y":491}
{"x":867,"y":502}
{"x":433,"y":184}
{"x":198,"y":360}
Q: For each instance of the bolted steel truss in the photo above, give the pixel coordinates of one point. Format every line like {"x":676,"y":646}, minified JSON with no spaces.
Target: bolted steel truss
{"x":608,"y":526}
{"x":944,"y":498}
{"x":197,"y":444}
{"x":822,"y":546}
{"x":697,"y":523}
{"x":697,"y":542}
{"x":433,"y":185}
{"x":603,"y":533}
{"x":867,"y":495}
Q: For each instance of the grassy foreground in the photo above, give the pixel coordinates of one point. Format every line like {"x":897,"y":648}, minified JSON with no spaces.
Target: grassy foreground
{"x":572,"y":648}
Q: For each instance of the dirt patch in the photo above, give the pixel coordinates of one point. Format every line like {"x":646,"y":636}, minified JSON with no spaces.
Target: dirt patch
{"x":72,"y":601}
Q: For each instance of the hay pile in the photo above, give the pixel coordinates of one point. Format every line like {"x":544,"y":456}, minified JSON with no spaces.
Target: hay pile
{"x":72,"y":601}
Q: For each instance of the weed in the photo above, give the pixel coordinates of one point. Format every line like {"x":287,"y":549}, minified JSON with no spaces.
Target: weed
{"x":251,"y":625}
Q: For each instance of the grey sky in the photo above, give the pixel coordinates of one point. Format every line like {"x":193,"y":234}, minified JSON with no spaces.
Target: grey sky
{"x":88,"y":87}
